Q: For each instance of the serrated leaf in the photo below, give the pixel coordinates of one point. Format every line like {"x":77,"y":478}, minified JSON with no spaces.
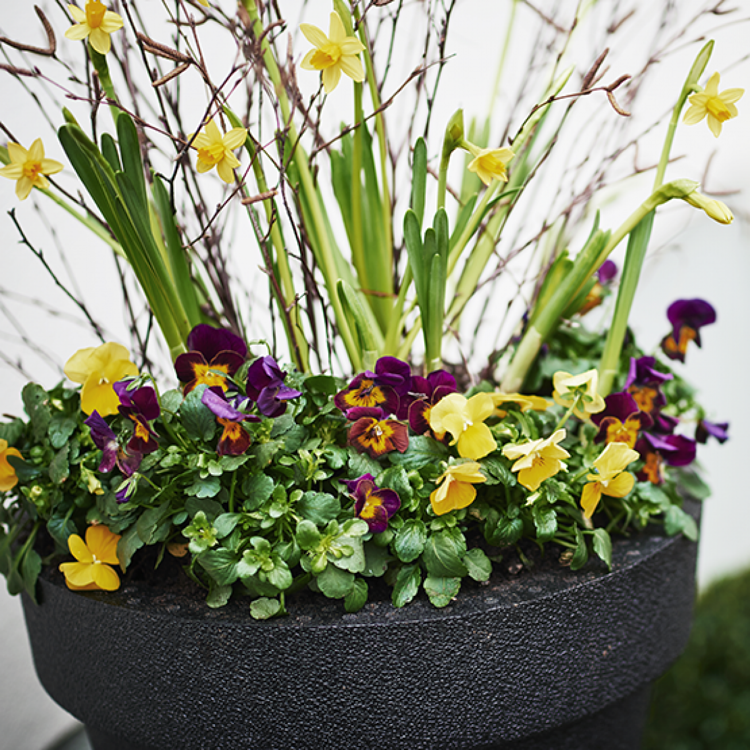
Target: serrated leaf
{"x":149,"y":520}
{"x":218,"y":596}
{"x":507,"y":531}
{"x":498,"y":473}
{"x":264,"y":608}
{"x":422,"y":451}
{"x":410,"y":540}
{"x":204,"y":488}
{"x":478,"y":564}
{"x":361,"y":463}
{"x":603,"y":546}
{"x":355,"y":562}
{"x":197,"y":419}
{"x":225,"y":523}
{"x":318,"y":507}
{"x":211,"y":508}
{"x":441,"y":557}
{"x":129,"y":544}
{"x":280,"y":577}
{"x":11,"y":431}
{"x":441,"y":590}
{"x":407,"y":585}
{"x":220,"y":564}
{"x":256,"y":489}
{"x":334,"y":582}
{"x":395,"y":478}
{"x":376,"y":560}
{"x":308,"y":537}
{"x":60,"y":429}
{"x":357,"y":597}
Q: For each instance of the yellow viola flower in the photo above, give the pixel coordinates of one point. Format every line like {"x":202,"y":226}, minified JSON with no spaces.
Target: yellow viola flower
{"x":94,"y":557}
{"x":537,"y":403}
{"x":98,"y":369}
{"x":716,"y":107}
{"x":580,"y":390}
{"x":215,"y":150}
{"x":489,"y":163}
{"x":464,"y":419}
{"x":8,"y":478}
{"x":96,"y":23}
{"x":611,"y":478}
{"x":456,"y":487}
{"x":333,"y":54}
{"x":29,"y":167}
{"x":537,"y":460}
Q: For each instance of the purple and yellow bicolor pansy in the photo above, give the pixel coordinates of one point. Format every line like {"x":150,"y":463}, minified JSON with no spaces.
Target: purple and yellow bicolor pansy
{"x":373,"y":504}
{"x":621,"y":420}
{"x":644,"y":384}
{"x":113,"y":454}
{"x":265,"y":386}
{"x":687,"y":317}
{"x":376,"y":434}
{"x":657,"y":450}
{"x":235,"y":439}
{"x":424,"y":394}
{"x":213,"y":355}
{"x":141,"y":406}
{"x":387,"y":388}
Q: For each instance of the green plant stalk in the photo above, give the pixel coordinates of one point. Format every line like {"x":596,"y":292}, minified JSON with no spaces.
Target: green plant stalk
{"x":321,"y":247}
{"x":503,"y":56}
{"x":357,"y":241}
{"x":638,"y":244}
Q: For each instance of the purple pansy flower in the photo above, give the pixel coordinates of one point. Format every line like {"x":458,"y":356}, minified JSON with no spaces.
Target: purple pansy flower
{"x":706,"y":429}
{"x":265,"y":386}
{"x":112,"y":454}
{"x":644,"y":384}
{"x":141,"y":406}
{"x":234,"y":440}
{"x":677,"y":450}
{"x":687,"y":317}
{"x":372,"y":432}
{"x":425,"y":393}
{"x":607,"y":271}
{"x":387,"y":388}
{"x":213,"y":355}
{"x":371,"y":503}
{"x":621,"y":420}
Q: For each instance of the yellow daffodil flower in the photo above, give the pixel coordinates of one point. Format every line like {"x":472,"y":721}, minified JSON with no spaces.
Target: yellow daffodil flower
{"x":98,"y":369}
{"x":333,"y":54}
{"x":464,"y":419}
{"x":580,"y":390}
{"x":96,"y":23}
{"x":537,"y":460}
{"x":611,"y":478}
{"x":709,"y":103}
{"x":716,"y":210}
{"x":215,"y":150}
{"x":8,"y":478}
{"x":204,"y":3}
{"x":29,"y":167}
{"x":489,"y":163}
{"x":94,"y":557}
{"x":456,"y":487}
{"x":537,"y":403}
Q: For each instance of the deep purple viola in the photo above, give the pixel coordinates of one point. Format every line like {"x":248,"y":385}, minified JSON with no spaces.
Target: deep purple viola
{"x":387,"y":388}
{"x":705,"y":429}
{"x":373,"y":504}
{"x":644,"y":384}
{"x":141,"y":406}
{"x":687,"y":317}
{"x":112,"y":453}
{"x":425,"y":393}
{"x":677,"y":450}
{"x":213,"y":355}
{"x":234,"y":440}
{"x":265,"y":386}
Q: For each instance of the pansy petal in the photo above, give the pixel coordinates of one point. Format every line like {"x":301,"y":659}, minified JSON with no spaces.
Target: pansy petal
{"x":620,"y":485}
{"x":103,"y":543}
{"x":590,"y":497}
{"x":79,"y":550}
{"x":105,"y":577}
{"x":77,"y":575}
{"x":476,"y":442}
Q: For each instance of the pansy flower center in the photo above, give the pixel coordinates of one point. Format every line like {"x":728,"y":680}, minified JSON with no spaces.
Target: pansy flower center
{"x":95,"y":13}
{"x":211,"y":374}
{"x":644,"y":397}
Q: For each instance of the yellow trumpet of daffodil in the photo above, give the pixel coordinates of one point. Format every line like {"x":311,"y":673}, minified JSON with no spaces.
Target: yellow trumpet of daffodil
{"x":464,"y":419}
{"x":716,"y":107}
{"x":96,"y":23}
{"x":215,"y":150}
{"x":98,"y":369}
{"x":29,"y":167}
{"x":333,"y":54}
{"x":8,"y":478}
{"x":456,"y":487}
{"x":95,"y":556}
{"x":611,"y":478}
{"x":580,"y":390}
{"x":537,"y":460}
{"x":489,"y":163}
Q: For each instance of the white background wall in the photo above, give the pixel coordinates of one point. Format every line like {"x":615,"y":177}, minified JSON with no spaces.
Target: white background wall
{"x":693,"y":257}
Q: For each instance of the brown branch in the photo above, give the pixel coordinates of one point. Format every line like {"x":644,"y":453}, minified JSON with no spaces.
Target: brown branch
{"x":51,"y":41}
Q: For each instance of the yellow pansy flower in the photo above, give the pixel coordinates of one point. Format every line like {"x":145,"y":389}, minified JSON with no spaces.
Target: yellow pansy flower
{"x":611,"y":478}
{"x":94,"y":557}
{"x":537,"y":403}
{"x":333,"y":54}
{"x":29,"y":167}
{"x":580,"y":390}
{"x":96,"y":23}
{"x":537,"y":460}
{"x":98,"y":369}
{"x":464,"y":419}
{"x":215,"y":150}
{"x":8,"y":478}
{"x":456,"y":487}
{"x":716,"y":107}
{"x":489,"y":163}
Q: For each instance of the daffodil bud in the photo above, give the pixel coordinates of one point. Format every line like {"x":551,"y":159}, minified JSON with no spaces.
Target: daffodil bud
{"x":717,"y":210}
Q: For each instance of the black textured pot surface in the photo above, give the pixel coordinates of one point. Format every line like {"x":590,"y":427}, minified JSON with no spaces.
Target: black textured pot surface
{"x":543,"y":659}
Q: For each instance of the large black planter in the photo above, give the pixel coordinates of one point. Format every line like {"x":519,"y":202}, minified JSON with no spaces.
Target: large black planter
{"x":542,"y":659}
